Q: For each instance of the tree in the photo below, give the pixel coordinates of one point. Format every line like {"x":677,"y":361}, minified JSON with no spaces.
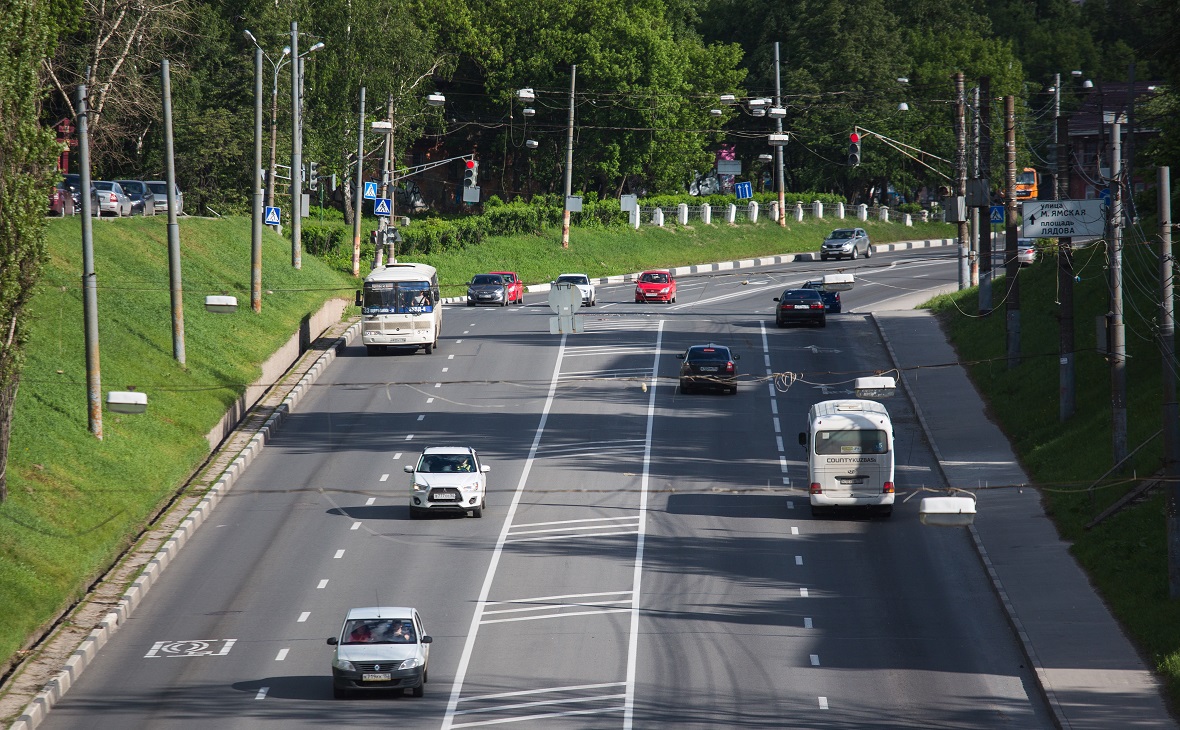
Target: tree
{"x":28,"y":30}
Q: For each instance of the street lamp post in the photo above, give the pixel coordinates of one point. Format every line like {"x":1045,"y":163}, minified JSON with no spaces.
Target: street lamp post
{"x":276,"y":65}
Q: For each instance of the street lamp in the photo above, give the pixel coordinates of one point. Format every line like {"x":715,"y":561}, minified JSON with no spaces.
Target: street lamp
{"x":297,"y":144}
{"x":274,"y":110}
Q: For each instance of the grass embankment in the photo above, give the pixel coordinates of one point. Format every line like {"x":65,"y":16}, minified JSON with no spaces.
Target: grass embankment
{"x":75,"y":502}
{"x":1126,"y":555}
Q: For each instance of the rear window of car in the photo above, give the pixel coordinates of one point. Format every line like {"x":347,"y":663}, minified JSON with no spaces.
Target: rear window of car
{"x":132,"y":186}
{"x":101,"y":185}
{"x":708,"y":353}
{"x":800,"y":295}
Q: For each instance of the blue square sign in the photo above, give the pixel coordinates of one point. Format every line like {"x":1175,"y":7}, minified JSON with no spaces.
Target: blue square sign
{"x":743,"y":190}
{"x":272,"y":216}
{"x":381,"y":206}
{"x":996,"y":214}
{"x":370,"y":191}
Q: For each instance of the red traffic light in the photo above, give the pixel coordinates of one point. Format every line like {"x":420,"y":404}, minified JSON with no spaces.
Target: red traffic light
{"x":854,"y":138}
{"x":470,"y":164}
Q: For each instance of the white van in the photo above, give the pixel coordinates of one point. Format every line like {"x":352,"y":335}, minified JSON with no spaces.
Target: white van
{"x":849,"y":455}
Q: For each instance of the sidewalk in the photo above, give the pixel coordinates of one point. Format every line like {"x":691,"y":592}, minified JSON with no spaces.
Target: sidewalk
{"x":1089,"y":673}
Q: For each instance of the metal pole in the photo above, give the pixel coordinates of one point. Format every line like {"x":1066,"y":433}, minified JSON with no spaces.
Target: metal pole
{"x":985,"y":170}
{"x":1012,"y":273}
{"x":89,"y":278}
{"x":1118,"y":342}
{"x":979,"y":213}
{"x":274,"y":130}
{"x":961,"y":176}
{"x":256,"y":227}
{"x":388,"y":162}
{"x":358,"y":192}
{"x":1056,"y":139}
{"x":569,"y":166}
{"x":296,"y":154}
{"x":1066,"y":380}
{"x":174,"y":281}
{"x":779,"y":151}
{"x":1167,"y":332}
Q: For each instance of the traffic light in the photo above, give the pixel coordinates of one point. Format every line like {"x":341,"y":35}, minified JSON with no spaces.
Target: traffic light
{"x":375,"y":238}
{"x":471,"y":175}
{"x":313,"y":176}
{"x":853,"y":149}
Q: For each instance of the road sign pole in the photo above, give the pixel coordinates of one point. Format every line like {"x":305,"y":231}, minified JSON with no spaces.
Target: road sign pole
{"x":359,"y":205}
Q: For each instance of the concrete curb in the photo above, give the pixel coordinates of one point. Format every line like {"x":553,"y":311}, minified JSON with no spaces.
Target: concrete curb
{"x":35,"y":712}
{"x":1060,"y":720}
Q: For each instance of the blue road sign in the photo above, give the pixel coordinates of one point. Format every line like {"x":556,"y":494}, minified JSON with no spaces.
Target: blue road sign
{"x":1104,"y":193}
{"x":381,"y":206}
{"x":272,"y":216}
{"x":743,"y":190}
{"x":370,"y":191}
{"x":997,"y":214}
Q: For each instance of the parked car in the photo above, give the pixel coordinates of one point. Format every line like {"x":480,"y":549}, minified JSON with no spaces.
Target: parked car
{"x":61,"y":200}
{"x":1026,"y":251}
{"x":514,"y":286}
{"x":831,"y":298}
{"x":159,"y":188}
{"x":143,"y":200}
{"x":800,"y":305}
{"x":112,"y":199}
{"x":380,"y":648}
{"x":709,"y":367}
{"x":850,"y":242}
{"x":589,"y":297}
{"x":74,"y":181}
{"x":447,"y":479}
{"x":655,"y":286}
{"x":487,"y":289}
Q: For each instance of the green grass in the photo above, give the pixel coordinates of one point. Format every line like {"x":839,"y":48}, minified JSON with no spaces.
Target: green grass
{"x":1125,"y":556}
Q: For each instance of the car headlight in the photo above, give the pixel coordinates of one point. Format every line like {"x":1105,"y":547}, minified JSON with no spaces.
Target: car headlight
{"x":469,"y":487}
{"x":664,"y":290}
{"x":420,"y":487}
{"x":411,"y":663}
{"x":342,"y":665}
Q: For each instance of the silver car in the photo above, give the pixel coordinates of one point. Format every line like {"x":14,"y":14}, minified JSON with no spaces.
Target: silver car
{"x":112,"y":199}
{"x":850,"y":242}
{"x":383,"y":648}
{"x":143,"y":200}
{"x":160,"y":189}
{"x":487,"y":289}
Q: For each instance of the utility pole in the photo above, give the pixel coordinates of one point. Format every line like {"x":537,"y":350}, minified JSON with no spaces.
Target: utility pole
{"x":1066,"y":379}
{"x":296,"y":154}
{"x":979,"y":212}
{"x":256,"y":221}
{"x":1118,"y":342}
{"x":89,"y":277}
{"x":985,"y":170}
{"x":961,"y":178}
{"x":359,"y":190}
{"x":779,"y":150}
{"x":1010,"y":258}
{"x":174,"y":280}
{"x":1167,"y":333}
{"x":569,"y":166}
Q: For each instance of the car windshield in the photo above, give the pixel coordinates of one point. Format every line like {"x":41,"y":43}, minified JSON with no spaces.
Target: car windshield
{"x":851,"y":442}
{"x":841,"y":234}
{"x":445,"y":463}
{"x":817,"y":285}
{"x":708,"y":353}
{"x":508,"y":278}
{"x":487,"y":279}
{"x":654,"y":278}
{"x":574,"y":280}
{"x":379,"y":631}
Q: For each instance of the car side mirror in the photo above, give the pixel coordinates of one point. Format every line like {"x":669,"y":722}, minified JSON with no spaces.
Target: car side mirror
{"x":333,"y":641}
{"x":408,"y":468}
{"x":736,"y":356}
{"x":359,"y":300}
{"x":680,"y":356}
{"x":427,"y":639}
{"x":776,"y":299}
{"x":802,"y":438}
{"x":485,"y":468}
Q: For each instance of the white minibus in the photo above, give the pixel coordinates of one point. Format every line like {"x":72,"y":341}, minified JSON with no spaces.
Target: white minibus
{"x":849,"y":455}
{"x":400,"y":307}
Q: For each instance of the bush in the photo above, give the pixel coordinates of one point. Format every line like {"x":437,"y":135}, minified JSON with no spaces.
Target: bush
{"x":321,"y":240}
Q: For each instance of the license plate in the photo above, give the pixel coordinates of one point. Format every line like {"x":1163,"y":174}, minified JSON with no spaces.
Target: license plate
{"x":802,"y":306}
{"x":398,"y":339}
{"x":709,"y":370}
{"x":437,"y":497}
{"x":376,"y":677}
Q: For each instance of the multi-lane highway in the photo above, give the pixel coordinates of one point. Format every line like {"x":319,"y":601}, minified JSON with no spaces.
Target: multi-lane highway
{"x":647,"y":558}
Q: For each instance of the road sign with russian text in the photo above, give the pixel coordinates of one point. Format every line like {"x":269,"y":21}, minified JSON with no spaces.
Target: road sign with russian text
{"x":1064,"y":218}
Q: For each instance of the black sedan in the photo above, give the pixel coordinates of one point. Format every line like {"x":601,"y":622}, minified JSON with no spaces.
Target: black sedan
{"x":800,"y":305}
{"x":831,"y":298}
{"x":708,"y":367}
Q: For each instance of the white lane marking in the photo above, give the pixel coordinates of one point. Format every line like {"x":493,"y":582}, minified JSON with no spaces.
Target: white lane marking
{"x":526,"y":692}
{"x":261,"y":693}
{"x":468,"y":331}
{"x":766,"y":361}
{"x":572,"y":536}
{"x":429,"y":400}
{"x":778,"y":427}
{"x":322,"y":584}
{"x":794,"y":530}
{"x":355,"y":526}
{"x":787,"y":481}
{"x":445,"y":369}
{"x":458,"y":342}
{"x":384,"y":478}
{"x":339,"y":554}
{"x":778,"y":440}
{"x":562,"y":529}
{"x":815,"y":660}
{"x":782,"y":462}
{"x":370,"y":500}
{"x":281,"y":655}
{"x":304,"y":616}
{"x":571,"y":522}
{"x":540,"y":703}
{"x":450,"y":357}
{"x":744,"y":291}
{"x":543,"y":716}
{"x":798,"y":560}
{"x":790,"y":502}
{"x":438,"y":385}
{"x":557,"y":614}
{"x":807,"y":623}
{"x":803,"y":593}
{"x":773,"y":407}
{"x":547,"y":602}
{"x":409,"y":437}
{"x":398,"y":455}
{"x":421,"y":417}
{"x":823,"y":703}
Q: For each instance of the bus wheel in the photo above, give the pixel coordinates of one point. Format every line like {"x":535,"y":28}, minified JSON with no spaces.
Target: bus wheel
{"x":429,"y":347}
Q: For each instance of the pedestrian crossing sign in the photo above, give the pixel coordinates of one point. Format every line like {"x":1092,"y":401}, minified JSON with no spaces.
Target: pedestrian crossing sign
{"x":381,"y":206}
{"x":997,"y":214}
{"x":272,"y":216}
{"x":370,"y":191}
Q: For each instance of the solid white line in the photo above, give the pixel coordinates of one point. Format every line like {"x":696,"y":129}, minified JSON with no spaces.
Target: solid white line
{"x":823,"y":703}
{"x":489,"y":576}
{"x":554,"y":615}
{"x":807,"y":623}
{"x":570,"y":537}
{"x":281,"y":655}
{"x":766,"y":361}
{"x":815,"y":660}
{"x":570,"y":522}
{"x":304,"y":616}
{"x":384,"y":478}
{"x":322,"y":584}
{"x":633,"y":643}
{"x":798,"y":560}
{"x":554,"y":598}
{"x":794,"y":530}
{"x":370,"y":501}
{"x":545,"y":716}
{"x":339,"y":554}
{"x":526,"y":692}
{"x":261,"y":693}
{"x":539,"y":703}
{"x":516,"y":532}
{"x":355,"y":526}
{"x":551,"y":606}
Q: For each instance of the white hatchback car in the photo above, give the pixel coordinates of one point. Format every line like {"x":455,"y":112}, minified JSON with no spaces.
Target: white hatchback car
{"x":380,"y":648}
{"x":447,"y":479}
{"x":589,"y":298}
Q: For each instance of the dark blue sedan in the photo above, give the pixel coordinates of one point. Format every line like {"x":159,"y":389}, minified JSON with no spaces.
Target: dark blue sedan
{"x":831,"y":298}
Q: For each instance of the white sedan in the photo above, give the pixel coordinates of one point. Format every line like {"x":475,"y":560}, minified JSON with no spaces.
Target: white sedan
{"x":589,"y":298}
{"x":447,"y":479}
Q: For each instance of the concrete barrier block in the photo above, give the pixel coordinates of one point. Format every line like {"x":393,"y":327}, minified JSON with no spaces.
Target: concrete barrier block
{"x":752,"y":211}
{"x":817,"y":209}
{"x":731,"y":213}
{"x":682,"y":214}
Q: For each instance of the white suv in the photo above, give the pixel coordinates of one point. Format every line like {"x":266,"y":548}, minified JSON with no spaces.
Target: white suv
{"x":447,"y":479}
{"x":583,"y":283}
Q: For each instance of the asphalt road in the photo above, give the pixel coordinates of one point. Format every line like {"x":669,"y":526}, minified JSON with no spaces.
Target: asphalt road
{"x":647,"y":558}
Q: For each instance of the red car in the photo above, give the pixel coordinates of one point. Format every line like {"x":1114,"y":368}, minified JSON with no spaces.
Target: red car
{"x":513,"y":285}
{"x":655,"y":286}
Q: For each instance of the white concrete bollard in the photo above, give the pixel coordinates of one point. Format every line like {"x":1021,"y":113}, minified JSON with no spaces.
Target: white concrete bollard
{"x":862,"y":212}
{"x":634,"y":213}
{"x":840,"y":211}
{"x":925,"y":216}
{"x":682,"y":214}
{"x":883,"y":213}
{"x":707,"y":214}
{"x":773,"y":213}
{"x":909,"y":221}
{"x":752,"y":211}
{"x":657,"y":217}
{"x":799,"y":212}
{"x":817,"y":209}
{"x":731,"y":214}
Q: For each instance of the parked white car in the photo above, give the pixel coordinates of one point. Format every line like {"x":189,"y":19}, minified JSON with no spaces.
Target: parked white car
{"x":589,"y":296}
{"x":447,"y":479}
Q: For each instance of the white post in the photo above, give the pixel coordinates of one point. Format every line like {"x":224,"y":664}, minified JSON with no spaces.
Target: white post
{"x":925,"y":216}
{"x":752,"y":212}
{"x":840,"y":211}
{"x":707,"y":214}
{"x":817,"y":209}
{"x":908,"y":220}
{"x":682,"y":214}
{"x":657,"y":217}
{"x":883,"y":213}
{"x":774,"y":211}
{"x":731,"y":213}
{"x":862,"y":212}
{"x":799,"y":212}
{"x":634,"y":213}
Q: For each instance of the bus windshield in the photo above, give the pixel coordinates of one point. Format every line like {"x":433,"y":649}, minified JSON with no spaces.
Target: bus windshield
{"x":851,"y":442}
{"x":404,"y":297}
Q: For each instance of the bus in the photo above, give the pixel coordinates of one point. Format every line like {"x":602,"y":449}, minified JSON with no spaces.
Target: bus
{"x":1026,"y":185}
{"x":850,"y":463}
{"x":400,"y":307}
